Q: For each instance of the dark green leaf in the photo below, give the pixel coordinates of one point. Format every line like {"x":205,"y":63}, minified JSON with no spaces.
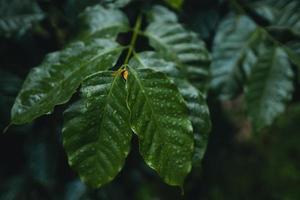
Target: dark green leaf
{"x":204,"y":22}
{"x":160,"y":13}
{"x":293,"y":51}
{"x":59,"y":75}
{"x":102,"y":22}
{"x":17,"y":16}
{"x":159,"y":118}
{"x":198,"y":109}
{"x":280,"y":13}
{"x":269,"y":88}
{"x":234,"y":54}
{"x":179,"y":45}
{"x":97,"y":130}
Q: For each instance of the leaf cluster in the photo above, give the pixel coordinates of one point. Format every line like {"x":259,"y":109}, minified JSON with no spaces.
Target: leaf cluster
{"x":150,"y":94}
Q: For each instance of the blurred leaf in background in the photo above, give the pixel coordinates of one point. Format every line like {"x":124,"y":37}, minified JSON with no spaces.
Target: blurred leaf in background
{"x":17,"y":16}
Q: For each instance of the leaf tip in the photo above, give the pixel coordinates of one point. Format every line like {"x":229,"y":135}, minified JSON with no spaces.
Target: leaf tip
{"x":6,"y":128}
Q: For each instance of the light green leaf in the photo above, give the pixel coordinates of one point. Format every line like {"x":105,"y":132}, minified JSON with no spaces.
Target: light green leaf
{"x":98,"y":21}
{"x":17,"y":16}
{"x":179,"y":45}
{"x":59,"y":75}
{"x":234,"y":54}
{"x":280,"y":13}
{"x":195,"y":101}
{"x":175,"y":3}
{"x":270,"y":87}
{"x":159,"y":118}
{"x":116,"y":3}
{"x":97,"y":130}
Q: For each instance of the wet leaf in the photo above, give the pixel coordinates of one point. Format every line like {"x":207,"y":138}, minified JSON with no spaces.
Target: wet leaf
{"x":59,"y":75}
{"x":97,"y":130}
{"x":194,"y":99}
{"x":159,"y":118}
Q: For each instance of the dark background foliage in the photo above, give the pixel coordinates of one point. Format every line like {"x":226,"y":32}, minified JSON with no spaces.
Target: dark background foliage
{"x":237,"y":165}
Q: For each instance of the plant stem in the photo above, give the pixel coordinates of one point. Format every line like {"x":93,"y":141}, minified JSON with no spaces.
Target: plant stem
{"x":136,"y":30}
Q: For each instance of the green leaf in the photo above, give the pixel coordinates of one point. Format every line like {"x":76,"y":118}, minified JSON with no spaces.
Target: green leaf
{"x":59,"y":75}
{"x":116,"y":3}
{"x":97,"y":130}
{"x":270,"y":87}
{"x":194,"y":99}
{"x":234,"y":54}
{"x":293,"y":51}
{"x":199,"y":116}
{"x":177,"y":44}
{"x":17,"y":16}
{"x":98,"y":21}
{"x":280,"y":13}
{"x":204,"y":22}
{"x":177,"y":4}
{"x":159,"y":118}
{"x":160,"y":13}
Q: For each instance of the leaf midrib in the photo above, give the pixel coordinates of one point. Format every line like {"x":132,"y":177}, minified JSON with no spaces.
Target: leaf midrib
{"x":153,"y":115}
{"x":267,"y":80}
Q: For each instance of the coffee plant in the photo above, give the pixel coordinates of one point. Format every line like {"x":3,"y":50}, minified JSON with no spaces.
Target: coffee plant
{"x":115,"y":90}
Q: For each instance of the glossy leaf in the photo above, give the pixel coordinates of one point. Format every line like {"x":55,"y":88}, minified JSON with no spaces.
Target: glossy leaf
{"x":97,"y":130}
{"x":159,"y":118}
{"x":17,"y":16}
{"x":59,"y":75}
{"x":98,"y":21}
{"x":195,"y":101}
{"x":234,"y":54}
{"x":269,"y":88}
{"x":178,"y":44}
